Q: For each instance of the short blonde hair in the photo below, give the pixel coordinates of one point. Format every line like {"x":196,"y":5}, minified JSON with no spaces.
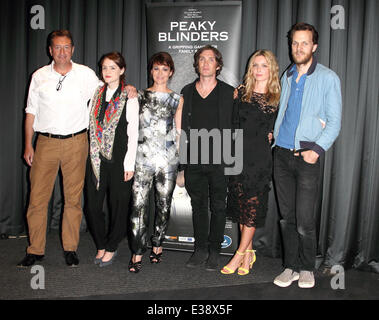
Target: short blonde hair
{"x":273,"y":85}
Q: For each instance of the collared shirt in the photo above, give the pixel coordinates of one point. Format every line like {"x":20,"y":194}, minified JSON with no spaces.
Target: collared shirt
{"x":286,"y":137}
{"x":63,"y":111}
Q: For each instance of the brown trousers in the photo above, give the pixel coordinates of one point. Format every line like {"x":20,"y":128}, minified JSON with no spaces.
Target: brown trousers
{"x":51,"y":154}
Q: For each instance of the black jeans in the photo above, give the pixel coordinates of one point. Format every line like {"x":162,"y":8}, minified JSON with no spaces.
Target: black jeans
{"x":296,"y":184}
{"x":205,"y":182}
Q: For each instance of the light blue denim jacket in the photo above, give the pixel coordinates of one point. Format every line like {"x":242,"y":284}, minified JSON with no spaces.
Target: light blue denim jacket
{"x":321,"y":105}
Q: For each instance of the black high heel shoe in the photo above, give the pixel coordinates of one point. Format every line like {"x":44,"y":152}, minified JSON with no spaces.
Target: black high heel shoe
{"x":155,"y":257}
{"x":137,"y":266}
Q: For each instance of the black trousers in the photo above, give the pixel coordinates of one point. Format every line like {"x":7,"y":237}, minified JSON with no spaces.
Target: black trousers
{"x":296,"y":184}
{"x":119,"y":192}
{"x":205,"y":182}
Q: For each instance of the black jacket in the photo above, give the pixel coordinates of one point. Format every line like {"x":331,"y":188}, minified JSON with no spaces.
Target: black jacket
{"x":225,"y":110}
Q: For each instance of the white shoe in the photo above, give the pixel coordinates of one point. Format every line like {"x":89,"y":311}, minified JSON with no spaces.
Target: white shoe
{"x":306,"y":279}
{"x":286,"y":278}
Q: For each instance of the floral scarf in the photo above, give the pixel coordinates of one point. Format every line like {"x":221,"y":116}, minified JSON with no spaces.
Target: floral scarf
{"x":104,"y":118}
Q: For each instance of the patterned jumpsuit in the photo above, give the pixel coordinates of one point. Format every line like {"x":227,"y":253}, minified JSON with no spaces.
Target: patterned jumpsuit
{"x":156,"y":166}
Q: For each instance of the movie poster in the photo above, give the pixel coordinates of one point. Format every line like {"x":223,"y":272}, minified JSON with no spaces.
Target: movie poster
{"x":180,"y":29}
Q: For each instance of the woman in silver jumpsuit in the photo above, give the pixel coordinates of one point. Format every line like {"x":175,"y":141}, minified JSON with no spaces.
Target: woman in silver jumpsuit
{"x":157,"y":159}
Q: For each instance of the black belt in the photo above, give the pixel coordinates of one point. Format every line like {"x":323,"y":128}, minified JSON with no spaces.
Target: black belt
{"x":292,"y":150}
{"x":58,"y":136}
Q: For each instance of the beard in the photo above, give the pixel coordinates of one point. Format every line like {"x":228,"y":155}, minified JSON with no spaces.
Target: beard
{"x":304,"y":59}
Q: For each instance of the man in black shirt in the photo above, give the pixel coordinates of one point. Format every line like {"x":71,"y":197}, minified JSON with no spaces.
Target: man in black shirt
{"x":207,"y":111}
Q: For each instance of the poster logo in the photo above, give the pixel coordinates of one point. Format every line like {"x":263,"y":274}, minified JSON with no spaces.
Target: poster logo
{"x":187,"y":239}
{"x":227,"y":242}
{"x":193,"y":31}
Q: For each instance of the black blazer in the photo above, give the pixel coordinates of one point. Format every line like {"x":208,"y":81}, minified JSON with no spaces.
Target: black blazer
{"x":225,"y":110}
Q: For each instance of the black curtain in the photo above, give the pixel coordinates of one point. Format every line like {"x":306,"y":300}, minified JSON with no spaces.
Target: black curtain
{"x":348,"y":211}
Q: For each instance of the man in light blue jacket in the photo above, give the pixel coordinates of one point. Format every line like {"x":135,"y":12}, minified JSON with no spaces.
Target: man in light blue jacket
{"x":308,"y":122}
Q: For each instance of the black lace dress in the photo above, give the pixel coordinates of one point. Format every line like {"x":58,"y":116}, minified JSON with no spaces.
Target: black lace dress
{"x":248,"y":191}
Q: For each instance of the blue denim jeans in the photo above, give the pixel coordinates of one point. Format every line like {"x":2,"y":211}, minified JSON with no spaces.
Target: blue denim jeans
{"x":296,"y":184}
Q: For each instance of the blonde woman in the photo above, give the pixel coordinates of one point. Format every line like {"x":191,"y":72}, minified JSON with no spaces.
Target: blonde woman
{"x":255,"y":107}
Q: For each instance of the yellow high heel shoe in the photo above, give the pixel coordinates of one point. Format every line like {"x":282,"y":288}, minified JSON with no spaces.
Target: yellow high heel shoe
{"x":244,"y":271}
{"x":227,"y":270}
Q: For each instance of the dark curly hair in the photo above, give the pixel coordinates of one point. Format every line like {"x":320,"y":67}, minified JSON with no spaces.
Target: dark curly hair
{"x":217,"y":54}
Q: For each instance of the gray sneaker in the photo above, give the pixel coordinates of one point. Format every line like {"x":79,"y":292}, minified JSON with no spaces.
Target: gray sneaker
{"x":306,"y":279}
{"x":286,"y":278}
